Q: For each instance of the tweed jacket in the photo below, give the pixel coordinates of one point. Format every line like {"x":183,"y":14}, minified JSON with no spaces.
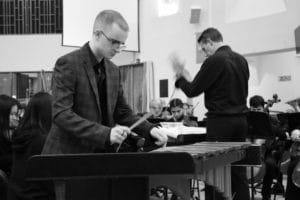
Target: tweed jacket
{"x":76,"y":126}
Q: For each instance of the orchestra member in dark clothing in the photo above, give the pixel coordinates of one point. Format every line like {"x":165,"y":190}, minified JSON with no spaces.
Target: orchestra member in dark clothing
{"x":293,"y":190}
{"x":28,"y":140}
{"x":9,"y":119}
{"x":8,"y":122}
{"x":223,"y":78}
{"x":274,"y":149}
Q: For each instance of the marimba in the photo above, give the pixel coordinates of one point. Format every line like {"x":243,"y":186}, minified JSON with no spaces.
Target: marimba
{"x":169,"y":166}
{"x":212,"y":165}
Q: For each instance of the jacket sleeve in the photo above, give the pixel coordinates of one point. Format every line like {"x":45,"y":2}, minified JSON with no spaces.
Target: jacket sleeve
{"x":64,"y":89}
{"x":207,"y":75}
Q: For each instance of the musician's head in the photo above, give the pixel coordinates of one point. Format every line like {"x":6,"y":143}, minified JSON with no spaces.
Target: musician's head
{"x":176,"y":107}
{"x":156,"y":107}
{"x":110,"y":32}
{"x":210,"y":40}
{"x":188,"y":109}
{"x":257,"y":103}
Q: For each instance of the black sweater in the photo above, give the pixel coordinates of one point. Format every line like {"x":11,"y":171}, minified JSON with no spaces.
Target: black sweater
{"x":223,"y":78}
{"x":26,"y":144}
{"x":5,"y":154}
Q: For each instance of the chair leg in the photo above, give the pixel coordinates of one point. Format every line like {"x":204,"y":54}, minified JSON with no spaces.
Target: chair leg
{"x":195,"y":186}
{"x":198,"y":189}
{"x":252,"y":182}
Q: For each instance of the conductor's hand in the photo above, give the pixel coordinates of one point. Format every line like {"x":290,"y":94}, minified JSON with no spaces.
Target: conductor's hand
{"x":160,"y":136}
{"x":185,"y":74}
{"x":118,"y":134}
{"x":177,"y":64}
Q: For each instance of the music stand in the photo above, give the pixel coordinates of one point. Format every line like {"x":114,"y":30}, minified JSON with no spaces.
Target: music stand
{"x":259,"y":126}
{"x":291,"y":119}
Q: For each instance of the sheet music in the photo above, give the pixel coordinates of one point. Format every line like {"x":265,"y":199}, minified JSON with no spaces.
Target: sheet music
{"x":173,"y":132}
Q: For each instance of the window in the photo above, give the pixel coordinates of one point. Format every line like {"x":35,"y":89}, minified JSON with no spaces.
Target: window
{"x":30,"y":16}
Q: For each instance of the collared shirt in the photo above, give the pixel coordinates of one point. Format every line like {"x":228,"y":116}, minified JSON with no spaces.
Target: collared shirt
{"x":223,"y":78}
{"x":99,"y":68}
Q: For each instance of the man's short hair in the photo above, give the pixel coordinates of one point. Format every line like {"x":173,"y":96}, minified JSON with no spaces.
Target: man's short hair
{"x":108,"y":17}
{"x":257,"y":101}
{"x":211,"y":33}
{"x":176,"y":103}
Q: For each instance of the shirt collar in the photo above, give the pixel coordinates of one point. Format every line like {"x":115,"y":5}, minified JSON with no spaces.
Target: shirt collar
{"x":92,"y":56}
{"x":223,"y":48}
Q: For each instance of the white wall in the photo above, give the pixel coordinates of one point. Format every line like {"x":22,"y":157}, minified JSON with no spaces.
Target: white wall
{"x":36,"y":52}
{"x":264,"y":76}
{"x":30,"y":52}
{"x":160,"y":36}
{"x":273,"y":32}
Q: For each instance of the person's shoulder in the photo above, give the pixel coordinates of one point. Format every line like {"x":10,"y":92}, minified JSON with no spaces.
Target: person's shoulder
{"x":72,"y":56}
{"x":240,"y":56}
{"x":236,"y":54}
{"x":228,"y":54}
{"x":216,"y":60}
{"x":221,"y":54}
{"x":68,"y":58}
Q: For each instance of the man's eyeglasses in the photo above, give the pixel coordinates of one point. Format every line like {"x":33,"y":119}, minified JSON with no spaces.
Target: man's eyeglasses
{"x":119,"y":45}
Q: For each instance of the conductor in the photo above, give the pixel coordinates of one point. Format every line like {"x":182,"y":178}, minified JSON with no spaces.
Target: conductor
{"x":223,"y":78}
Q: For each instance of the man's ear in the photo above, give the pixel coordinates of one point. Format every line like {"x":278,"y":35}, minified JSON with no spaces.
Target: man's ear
{"x":97,"y":34}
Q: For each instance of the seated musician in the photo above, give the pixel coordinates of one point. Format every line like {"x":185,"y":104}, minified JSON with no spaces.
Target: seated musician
{"x":188,"y":110}
{"x":156,"y":106}
{"x":157,"y":110}
{"x":292,"y":190}
{"x":176,"y":107}
{"x":28,"y":140}
{"x":273,"y":150}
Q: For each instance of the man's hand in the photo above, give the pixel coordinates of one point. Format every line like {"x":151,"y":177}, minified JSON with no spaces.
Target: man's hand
{"x":177,"y":64}
{"x":178,"y":67}
{"x":160,"y":136}
{"x":186,"y":75}
{"x":118,"y":134}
